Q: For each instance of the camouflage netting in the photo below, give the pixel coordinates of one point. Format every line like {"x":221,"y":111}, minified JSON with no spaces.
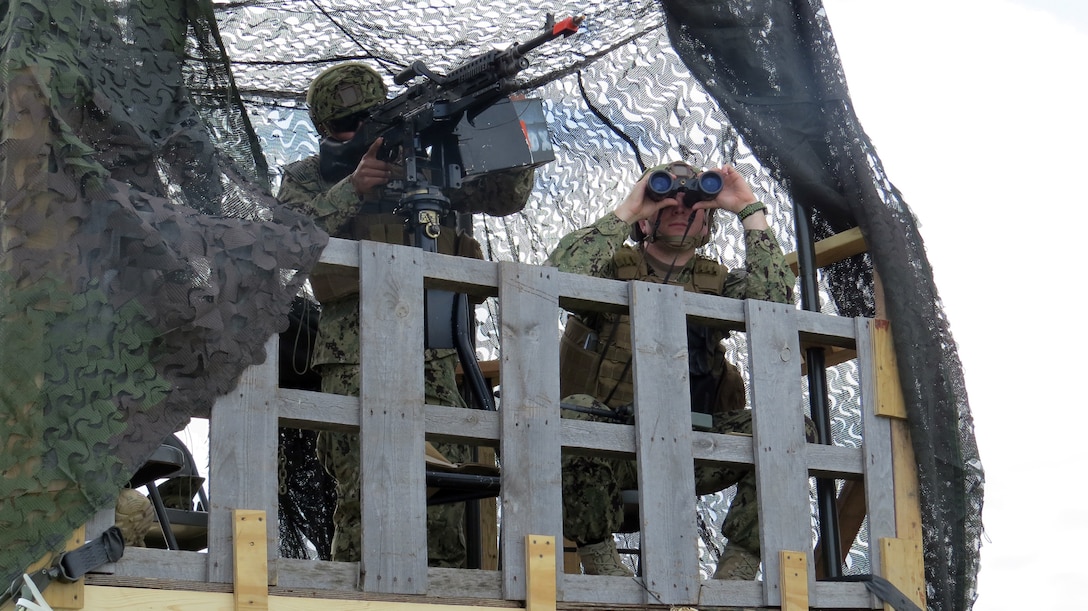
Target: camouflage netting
{"x":756,"y":83}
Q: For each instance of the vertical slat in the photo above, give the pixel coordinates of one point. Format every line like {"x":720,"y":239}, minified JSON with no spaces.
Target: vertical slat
{"x":666,"y":473}
{"x":794,"y":578}
{"x":243,"y":433}
{"x":391,"y":423}
{"x":250,"y":587}
{"x":540,"y":565}
{"x":778,"y":437}
{"x":876,"y":444}
{"x":530,"y":444}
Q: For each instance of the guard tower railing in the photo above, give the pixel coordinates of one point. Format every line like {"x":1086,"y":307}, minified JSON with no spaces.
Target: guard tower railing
{"x":393,"y":422}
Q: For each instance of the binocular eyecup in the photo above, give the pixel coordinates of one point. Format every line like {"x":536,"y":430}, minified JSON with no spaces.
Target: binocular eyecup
{"x":662,"y":184}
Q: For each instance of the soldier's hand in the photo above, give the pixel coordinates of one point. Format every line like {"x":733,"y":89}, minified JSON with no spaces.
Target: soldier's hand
{"x":636,"y":206}
{"x":371,"y":171}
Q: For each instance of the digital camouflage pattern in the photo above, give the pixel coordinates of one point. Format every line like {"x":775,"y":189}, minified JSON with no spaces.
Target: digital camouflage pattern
{"x":337,"y":208}
{"x":343,"y":90}
{"x":142,"y":258}
{"x":592,"y":486}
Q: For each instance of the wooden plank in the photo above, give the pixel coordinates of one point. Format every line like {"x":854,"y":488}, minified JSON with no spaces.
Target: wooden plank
{"x":243,"y":433}
{"x":902,"y":565}
{"x":666,"y":474}
{"x":889,"y":391}
{"x":391,"y":444}
{"x":250,"y":561}
{"x":530,"y":423}
{"x":834,"y":249}
{"x":108,"y":598}
{"x":793,"y":569}
{"x":778,"y":435}
{"x":908,"y":512}
{"x":540,"y":573}
{"x":489,"y":519}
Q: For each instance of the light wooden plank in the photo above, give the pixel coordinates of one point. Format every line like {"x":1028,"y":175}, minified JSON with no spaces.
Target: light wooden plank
{"x":243,"y":433}
{"x":779,"y":436}
{"x":250,"y":561}
{"x":793,"y":574}
{"x":666,"y":475}
{"x":908,"y":512}
{"x":530,"y":423}
{"x":889,"y":391}
{"x":540,"y":574}
{"x":391,"y":422}
{"x":903,"y":566}
{"x":834,"y":249}
{"x":108,"y":598}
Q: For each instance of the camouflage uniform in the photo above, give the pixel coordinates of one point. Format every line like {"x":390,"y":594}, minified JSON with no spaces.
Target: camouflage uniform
{"x":592,"y":505}
{"x":343,"y":214}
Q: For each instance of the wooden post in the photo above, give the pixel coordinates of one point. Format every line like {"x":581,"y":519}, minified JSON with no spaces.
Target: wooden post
{"x":250,"y":561}
{"x":540,"y":574}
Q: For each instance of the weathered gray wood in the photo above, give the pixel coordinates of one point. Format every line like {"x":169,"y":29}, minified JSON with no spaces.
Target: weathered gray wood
{"x":159,"y":564}
{"x":840,"y":595}
{"x":318,"y":411}
{"x":530,"y":446}
{"x":394,"y":531}
{"x":602,"y":438}
{"x":459,"y":425}
{"x":877,"y":447}
{"x":666,"y":474}
{"x":583,"y":293}
{"x":778,"y":438}
{"x":733,"y":594}
{"x":824,"y":329}
{"x":243,"y":432}
{"x":605,"y":590}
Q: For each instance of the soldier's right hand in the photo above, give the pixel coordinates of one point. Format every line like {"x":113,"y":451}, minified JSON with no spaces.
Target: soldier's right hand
{"x":371,"y":171}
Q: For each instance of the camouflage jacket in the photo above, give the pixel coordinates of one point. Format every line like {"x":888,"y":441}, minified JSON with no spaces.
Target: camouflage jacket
{"x":338,"y":210}
{"x":595,"y":352}
{"x":592,"y":251}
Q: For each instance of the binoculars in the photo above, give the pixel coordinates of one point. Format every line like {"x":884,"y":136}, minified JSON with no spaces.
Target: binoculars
{"x":696,"y":188}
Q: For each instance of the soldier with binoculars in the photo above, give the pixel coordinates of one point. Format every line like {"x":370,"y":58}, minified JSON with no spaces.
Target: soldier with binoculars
{"x":668,"y":215}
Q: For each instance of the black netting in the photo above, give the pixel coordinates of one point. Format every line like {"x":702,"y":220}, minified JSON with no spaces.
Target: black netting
{"x":755,"y":83}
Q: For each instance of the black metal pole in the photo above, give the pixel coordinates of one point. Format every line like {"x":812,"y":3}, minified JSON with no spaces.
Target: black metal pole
{"x":827,"y":506}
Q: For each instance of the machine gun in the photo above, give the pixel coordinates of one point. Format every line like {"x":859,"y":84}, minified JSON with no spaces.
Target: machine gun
{"x":465,"y":119}
{"x":447,"y":129}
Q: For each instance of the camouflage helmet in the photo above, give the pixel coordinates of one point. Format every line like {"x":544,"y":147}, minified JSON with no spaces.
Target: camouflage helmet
{"x":343,"y":90}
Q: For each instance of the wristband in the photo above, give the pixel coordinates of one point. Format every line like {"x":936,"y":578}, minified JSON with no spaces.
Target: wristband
{"x":750,"y":209}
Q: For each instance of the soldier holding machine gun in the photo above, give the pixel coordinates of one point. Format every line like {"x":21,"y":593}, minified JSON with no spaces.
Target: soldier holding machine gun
{"x":425,"y":142}
{"x":668,"y":215}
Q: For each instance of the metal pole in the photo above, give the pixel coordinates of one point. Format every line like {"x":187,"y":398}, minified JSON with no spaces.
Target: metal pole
{"x":827,"y":506}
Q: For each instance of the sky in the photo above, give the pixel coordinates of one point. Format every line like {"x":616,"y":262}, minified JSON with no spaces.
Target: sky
{"x":977,"y":109}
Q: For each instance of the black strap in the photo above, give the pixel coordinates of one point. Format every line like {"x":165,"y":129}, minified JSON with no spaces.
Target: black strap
{"x":74,"y":564}
{"x":107,"y":548}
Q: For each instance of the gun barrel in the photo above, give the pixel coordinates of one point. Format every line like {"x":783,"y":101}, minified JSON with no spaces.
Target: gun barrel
{"x":565,"y":27}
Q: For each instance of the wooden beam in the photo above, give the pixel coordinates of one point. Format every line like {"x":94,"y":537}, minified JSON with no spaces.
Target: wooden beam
{"x":540,"y":573}
{"x":793,"y":578}
{"x":250,"y":560}
{"x":834,"y":249}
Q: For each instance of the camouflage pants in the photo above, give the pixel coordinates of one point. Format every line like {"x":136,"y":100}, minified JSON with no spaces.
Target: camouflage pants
{"x":339,"y":454}
{"x":592,"y":486}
